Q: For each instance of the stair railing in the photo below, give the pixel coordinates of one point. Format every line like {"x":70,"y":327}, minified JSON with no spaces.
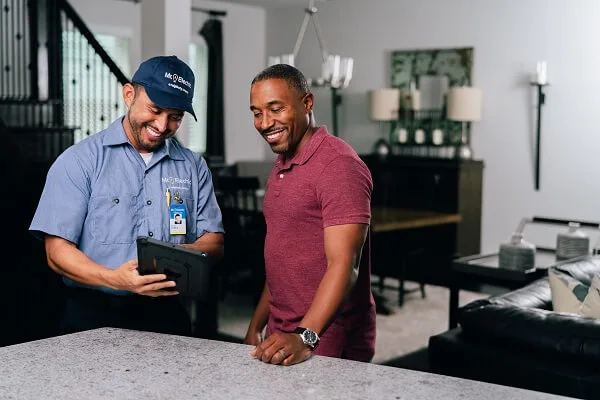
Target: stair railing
{"x":91,"y":86}
{"x":53,"y":67}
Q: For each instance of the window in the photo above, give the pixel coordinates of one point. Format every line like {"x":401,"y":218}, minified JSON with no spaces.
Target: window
{"x":118,"y":49}
{"x":197,"y":129}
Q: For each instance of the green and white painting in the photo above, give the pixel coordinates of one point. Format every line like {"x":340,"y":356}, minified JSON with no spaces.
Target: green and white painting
{"x":455,"y":63}
{"x":431,"y":71}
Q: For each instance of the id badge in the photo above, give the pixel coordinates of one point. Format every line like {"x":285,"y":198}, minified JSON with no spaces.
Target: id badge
{"x":177,"y":219}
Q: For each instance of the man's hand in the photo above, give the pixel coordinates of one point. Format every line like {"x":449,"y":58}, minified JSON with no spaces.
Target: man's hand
{"x":127,"y":277}
{"x":282,"y":348}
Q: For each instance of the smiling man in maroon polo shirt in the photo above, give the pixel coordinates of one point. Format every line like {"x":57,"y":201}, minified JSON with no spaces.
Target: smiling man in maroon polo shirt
{"x":317,"y":296}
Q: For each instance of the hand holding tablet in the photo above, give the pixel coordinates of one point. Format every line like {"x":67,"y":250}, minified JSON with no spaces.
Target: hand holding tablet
{"x":191,"y":270}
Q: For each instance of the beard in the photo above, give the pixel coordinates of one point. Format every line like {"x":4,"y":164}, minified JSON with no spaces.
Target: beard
{"x":279,"y":148}
{"x":140,"y":140}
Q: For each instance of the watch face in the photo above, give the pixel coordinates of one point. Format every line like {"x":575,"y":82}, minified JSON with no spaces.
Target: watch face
{"x":310,"y":336}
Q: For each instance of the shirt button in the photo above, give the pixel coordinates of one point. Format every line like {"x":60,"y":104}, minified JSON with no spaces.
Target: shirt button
{"x":149,"y":202}
{"x":150,"y":234}
{"x":281,"y":176}
{"x":116,"y":201}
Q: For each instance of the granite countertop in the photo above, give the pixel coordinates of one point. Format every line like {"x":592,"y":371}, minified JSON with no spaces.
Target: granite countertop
{"x":114,"y":363}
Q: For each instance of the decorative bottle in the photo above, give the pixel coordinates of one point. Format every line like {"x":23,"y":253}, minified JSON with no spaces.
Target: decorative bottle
{"x":517,"y":254}
{"x":573,"y":243}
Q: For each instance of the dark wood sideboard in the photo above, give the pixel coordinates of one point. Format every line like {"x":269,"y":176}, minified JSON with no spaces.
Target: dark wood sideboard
{"x":439,"y":185}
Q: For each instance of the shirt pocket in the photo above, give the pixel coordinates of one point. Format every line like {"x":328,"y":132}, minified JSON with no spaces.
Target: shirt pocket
{"x":114,"y":218}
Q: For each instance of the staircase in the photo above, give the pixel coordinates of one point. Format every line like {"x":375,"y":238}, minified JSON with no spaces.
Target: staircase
{"x":57,"y":85}
{"x":33,"y":128}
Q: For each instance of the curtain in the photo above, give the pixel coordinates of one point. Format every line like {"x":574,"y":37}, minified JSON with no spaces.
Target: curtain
{"x":212,"y":32}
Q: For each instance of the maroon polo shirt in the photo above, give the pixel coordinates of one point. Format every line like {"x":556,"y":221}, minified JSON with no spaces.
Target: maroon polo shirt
{"x":324,"y":184}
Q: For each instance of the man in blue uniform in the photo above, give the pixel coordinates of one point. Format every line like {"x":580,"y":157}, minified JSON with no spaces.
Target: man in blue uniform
{"x":121,"y":183}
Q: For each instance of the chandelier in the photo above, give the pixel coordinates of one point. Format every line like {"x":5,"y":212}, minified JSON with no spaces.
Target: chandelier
{"x":336,"y":71}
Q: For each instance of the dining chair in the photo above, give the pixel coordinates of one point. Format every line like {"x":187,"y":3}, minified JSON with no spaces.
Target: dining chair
{"x":245,"y":231}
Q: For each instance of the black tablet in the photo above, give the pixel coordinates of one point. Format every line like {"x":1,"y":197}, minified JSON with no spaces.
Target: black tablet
{"x":190,"y":269}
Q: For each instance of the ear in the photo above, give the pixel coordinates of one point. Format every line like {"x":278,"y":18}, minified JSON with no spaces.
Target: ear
{"x":307,"y":101}
{"x":128,"y":94}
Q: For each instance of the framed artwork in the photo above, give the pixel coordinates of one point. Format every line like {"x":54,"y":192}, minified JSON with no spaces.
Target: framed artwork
{"x":455,"y":63}
{"x":431,"y":71}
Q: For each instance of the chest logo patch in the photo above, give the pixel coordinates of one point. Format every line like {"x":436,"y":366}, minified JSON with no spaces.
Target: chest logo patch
{"x":177,"y":183}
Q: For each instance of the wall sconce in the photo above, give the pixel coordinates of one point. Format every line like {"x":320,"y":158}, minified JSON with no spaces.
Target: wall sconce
{"x":384,"y":105}
{"x":464,"y":105}
{"x":540,"y":80}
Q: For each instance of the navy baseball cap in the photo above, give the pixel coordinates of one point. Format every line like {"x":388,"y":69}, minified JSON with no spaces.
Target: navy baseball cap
{"x":168,"y":81}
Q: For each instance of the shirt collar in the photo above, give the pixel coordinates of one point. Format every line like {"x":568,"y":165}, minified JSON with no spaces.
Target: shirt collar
{"x":115,"y":135}
{"x":306,"y":152}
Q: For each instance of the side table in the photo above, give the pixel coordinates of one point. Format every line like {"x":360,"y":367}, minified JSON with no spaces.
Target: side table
{"x":484,"y":269}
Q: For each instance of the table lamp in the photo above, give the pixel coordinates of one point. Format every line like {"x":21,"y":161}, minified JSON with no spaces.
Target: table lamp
{"x":384,"y":105}
{"x":464,"y":105}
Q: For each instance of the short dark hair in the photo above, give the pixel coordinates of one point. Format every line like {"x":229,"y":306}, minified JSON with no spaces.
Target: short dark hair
{"x":137,"y":87}
{"x":290,"y":74}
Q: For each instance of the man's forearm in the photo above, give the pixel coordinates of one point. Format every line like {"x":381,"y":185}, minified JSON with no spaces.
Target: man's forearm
{"x":66,"y":259}
{"x":331,"y":295}
{"x":343,"y":248}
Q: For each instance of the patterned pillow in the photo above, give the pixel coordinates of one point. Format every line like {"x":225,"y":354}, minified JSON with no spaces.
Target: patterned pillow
{"x":572,"y":296}
{"x":591,"y":304}
{"x":567,"y":292}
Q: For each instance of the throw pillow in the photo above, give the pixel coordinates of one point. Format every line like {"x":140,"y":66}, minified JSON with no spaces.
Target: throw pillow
{"x":591,"y":305}
{"x":567,"y":292}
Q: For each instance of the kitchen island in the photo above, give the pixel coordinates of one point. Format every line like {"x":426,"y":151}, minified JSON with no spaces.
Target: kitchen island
{"x":112,"y":363}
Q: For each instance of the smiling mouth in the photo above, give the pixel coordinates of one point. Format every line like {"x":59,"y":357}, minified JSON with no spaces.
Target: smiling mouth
{"x":153,"y":132}
{"x":274,"y":135}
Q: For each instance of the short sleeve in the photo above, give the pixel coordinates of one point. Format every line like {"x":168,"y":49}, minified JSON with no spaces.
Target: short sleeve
{"x":62,"y":208}
{"x":209,"y":217}
{"x":344,"y":190}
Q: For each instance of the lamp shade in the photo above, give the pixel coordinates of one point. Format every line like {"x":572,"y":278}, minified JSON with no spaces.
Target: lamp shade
{"x":384,"y":104}
{"x":464,"y":104}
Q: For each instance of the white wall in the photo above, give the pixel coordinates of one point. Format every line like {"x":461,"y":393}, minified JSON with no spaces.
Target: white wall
{"x":244,"y":56}
{"x":509,"y":37}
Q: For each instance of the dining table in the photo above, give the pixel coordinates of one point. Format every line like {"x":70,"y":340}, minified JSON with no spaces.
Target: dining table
{"x":387,"y":219}
{"x":407,"y":222}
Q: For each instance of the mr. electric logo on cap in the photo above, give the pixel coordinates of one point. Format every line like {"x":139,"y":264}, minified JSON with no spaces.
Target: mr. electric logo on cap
{"x":177,"y":79}
{"x":169,"y":82}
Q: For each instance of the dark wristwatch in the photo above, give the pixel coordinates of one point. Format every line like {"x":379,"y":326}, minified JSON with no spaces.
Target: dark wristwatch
{"x":309,"y":337}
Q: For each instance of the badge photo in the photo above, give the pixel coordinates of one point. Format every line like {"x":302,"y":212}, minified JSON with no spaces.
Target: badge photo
{"x":177,"y":220}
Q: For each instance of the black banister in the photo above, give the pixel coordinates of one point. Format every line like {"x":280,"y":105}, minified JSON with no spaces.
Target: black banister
{"x":85,"y":32}
{"x":32,"y":8}
{"x":55,"y":68}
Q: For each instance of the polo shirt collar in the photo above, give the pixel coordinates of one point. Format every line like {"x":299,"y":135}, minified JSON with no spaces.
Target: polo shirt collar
{"x":306,"y":152}
{"x":115,"y":135}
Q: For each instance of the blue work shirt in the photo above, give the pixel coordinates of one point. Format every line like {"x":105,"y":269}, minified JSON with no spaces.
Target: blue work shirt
{"x":101,"y":195}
